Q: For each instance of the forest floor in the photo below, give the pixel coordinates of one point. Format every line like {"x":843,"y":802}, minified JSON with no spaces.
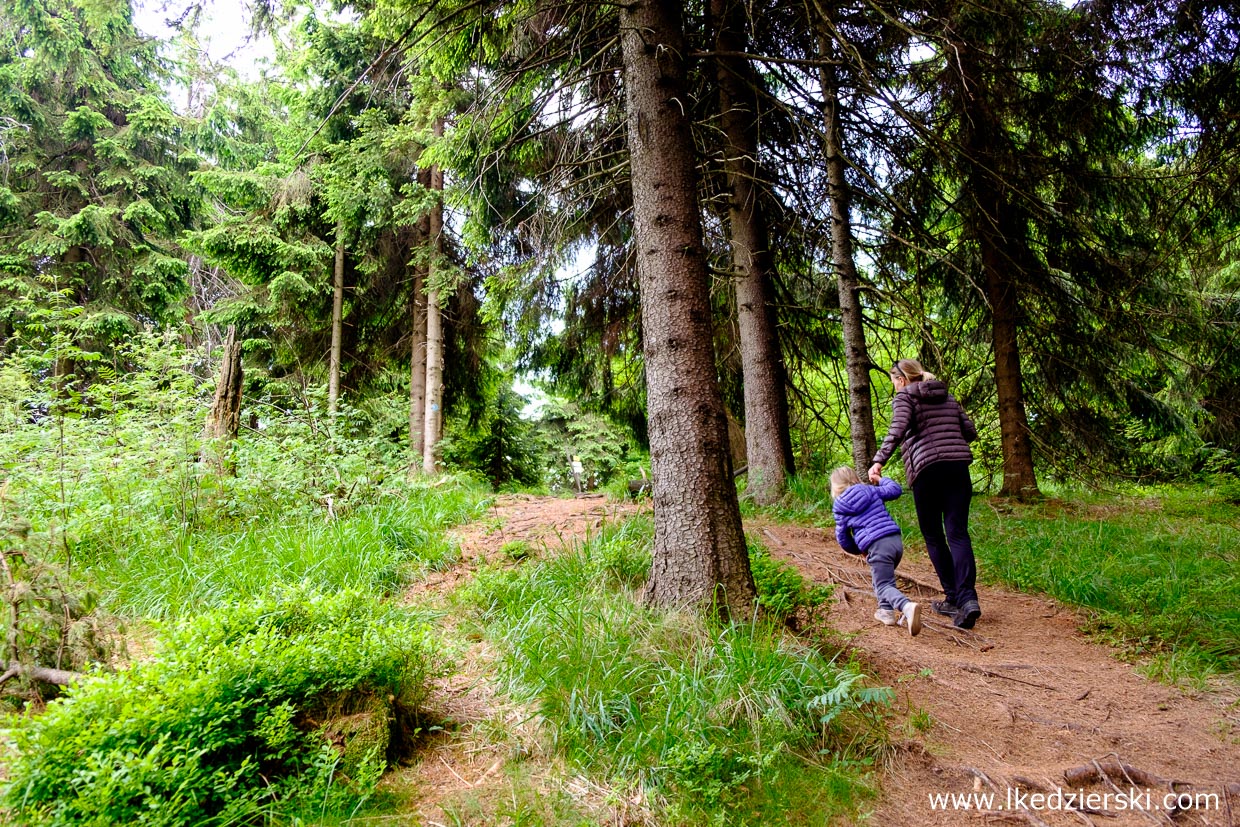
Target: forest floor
{"x":1021,"y":705}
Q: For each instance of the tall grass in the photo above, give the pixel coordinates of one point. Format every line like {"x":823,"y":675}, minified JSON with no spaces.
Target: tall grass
{"x":725,"y":724}
{"x":1157,"y":567}
{"x":115,"y":483}
{"x":376,"y":548}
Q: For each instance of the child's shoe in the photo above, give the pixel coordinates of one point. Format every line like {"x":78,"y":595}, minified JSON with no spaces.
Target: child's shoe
{"x":887,"y":617}
{"x":910,"y":618}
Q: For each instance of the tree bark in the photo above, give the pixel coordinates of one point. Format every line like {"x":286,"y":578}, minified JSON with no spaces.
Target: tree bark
{"x":417,"y":348}
{"x":852,"y":321}
{"x":58,"y":677}
{"x":333,"y":367}
{"x":768,"y":442}
{"x":1019,"y":479}
{"x":700,"y":558}
{"x":432,"y":431}
{"x":1001,"y":238}
{"x":417,"y":370}
{"x":224,"y":418}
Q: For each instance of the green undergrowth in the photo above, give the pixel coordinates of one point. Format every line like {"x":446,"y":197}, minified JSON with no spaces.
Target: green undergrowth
{"x":709,"y":723}
{"x":377,"y":547}
{"x":1157,"y":568}
{"x":285,"y":708}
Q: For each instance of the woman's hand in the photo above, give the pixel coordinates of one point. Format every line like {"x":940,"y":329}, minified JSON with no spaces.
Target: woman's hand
{"x":876,"y":473}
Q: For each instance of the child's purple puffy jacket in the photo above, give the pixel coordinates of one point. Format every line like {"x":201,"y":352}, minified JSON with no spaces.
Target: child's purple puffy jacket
{"x":860,"y":516}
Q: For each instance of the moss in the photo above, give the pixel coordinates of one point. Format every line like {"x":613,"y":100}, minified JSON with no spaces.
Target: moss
{"x":361,"y":736}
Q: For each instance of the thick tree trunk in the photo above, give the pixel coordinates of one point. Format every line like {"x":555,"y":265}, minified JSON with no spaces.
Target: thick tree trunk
{"x":224,"y":418}
{"x":1001,"y":239}
{"x":700,"y":558}
{"x":333,"y":366}
{"x":856,"y":354}
{"x":1019,"y":479}
{"x":432,"y":430}
{"x":768,"y":443}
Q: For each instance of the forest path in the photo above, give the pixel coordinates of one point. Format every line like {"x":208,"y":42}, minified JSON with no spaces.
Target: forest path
{"x":1018,"y":701}
{"x":1015,"y":703}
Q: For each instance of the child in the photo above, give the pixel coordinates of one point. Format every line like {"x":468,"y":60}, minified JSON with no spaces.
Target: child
{"x":863,"y":526}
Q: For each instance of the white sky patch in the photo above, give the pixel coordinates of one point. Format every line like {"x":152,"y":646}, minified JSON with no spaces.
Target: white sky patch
{"x":224,"y":32}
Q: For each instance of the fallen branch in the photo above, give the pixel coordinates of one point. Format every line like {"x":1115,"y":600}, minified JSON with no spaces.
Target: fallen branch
{"x":1114,"y":770}
{"x":988,"y":673}
{"x":1024,"y":812}
{"x":59,"y":677}
{"x":774,"y":539}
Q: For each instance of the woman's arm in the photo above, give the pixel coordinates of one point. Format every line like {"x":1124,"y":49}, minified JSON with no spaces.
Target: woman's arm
{"x":901,"y":419}
{"x":967,"y":428}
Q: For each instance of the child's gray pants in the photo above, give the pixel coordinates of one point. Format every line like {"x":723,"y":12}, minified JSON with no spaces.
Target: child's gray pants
{"x":883,"y":556}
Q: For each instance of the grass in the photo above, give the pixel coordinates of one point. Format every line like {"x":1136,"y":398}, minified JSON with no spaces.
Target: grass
{"x":709,"y":723}
{"x":377,"y":548}
{"x":1155,"y":568}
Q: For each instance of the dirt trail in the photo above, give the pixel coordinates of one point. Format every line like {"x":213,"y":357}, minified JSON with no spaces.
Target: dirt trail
{"x":1013,"y":704}
{"x":1018,"y":701}
{"x":459,"y":777}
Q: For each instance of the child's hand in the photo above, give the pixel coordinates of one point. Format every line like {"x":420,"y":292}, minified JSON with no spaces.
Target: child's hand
{"x":876,"y":473}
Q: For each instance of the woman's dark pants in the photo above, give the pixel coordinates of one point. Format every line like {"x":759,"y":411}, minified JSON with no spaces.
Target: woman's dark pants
{"x":941,"y":493}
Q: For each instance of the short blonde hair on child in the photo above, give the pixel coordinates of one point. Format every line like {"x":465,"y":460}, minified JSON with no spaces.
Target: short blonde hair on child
{"x":842,"y":479}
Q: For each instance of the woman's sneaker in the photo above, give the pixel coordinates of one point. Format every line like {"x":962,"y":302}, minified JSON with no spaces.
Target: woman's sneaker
{"x":910,"y":618}
{"x":944,"y":607}
{"x":967,"y":614}
{"x":887,"y":617}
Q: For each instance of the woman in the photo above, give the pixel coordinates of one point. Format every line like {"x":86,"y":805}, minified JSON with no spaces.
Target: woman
{"x":933,"y":433}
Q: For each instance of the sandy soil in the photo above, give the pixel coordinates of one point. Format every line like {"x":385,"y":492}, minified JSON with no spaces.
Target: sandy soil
{"x":1012,"y":706}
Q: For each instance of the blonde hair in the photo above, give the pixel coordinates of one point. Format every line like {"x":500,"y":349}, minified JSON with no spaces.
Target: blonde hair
{"x":910,"y":370}
{"x":842,"y":479}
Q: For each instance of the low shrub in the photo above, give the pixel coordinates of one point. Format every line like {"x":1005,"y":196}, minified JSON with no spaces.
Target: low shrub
{"x":285,"y":702}
{"x":782,"y":590}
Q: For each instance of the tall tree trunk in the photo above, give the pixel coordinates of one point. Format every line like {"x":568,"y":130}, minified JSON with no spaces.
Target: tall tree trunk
{"x":768,"y":443}
{"x":333,"y":366}
{"x":1001,"y":237}
{"x":1019,"y":479}
{"x":856,"y":354}
{"x":224,"y":418}
{"x":417,"y":347}
{"x":432,"y":431}
{"x":700,"y":557}
{"x":417,"y":370}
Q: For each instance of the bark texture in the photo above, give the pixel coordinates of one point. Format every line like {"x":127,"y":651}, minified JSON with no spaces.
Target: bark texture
{"x":417,"y":343}
{"x":700,"y":558}
{"x":224,"y":418}
{"x":333,"y":365}
{"x":768,"y":443}
{"x":856,"y":354}
{"x":417,"y":370}
{"x":1001,"y":238}
{"x":432,"y":430}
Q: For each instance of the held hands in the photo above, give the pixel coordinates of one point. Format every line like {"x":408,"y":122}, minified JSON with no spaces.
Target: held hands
{"x":876,"y":473}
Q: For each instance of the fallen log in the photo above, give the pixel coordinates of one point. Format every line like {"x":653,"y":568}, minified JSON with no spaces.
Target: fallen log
{"x":59,"y":677}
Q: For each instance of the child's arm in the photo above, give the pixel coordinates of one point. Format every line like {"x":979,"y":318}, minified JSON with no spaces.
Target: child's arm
{"x":843,"y":535}
{"x":889,"y":489}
